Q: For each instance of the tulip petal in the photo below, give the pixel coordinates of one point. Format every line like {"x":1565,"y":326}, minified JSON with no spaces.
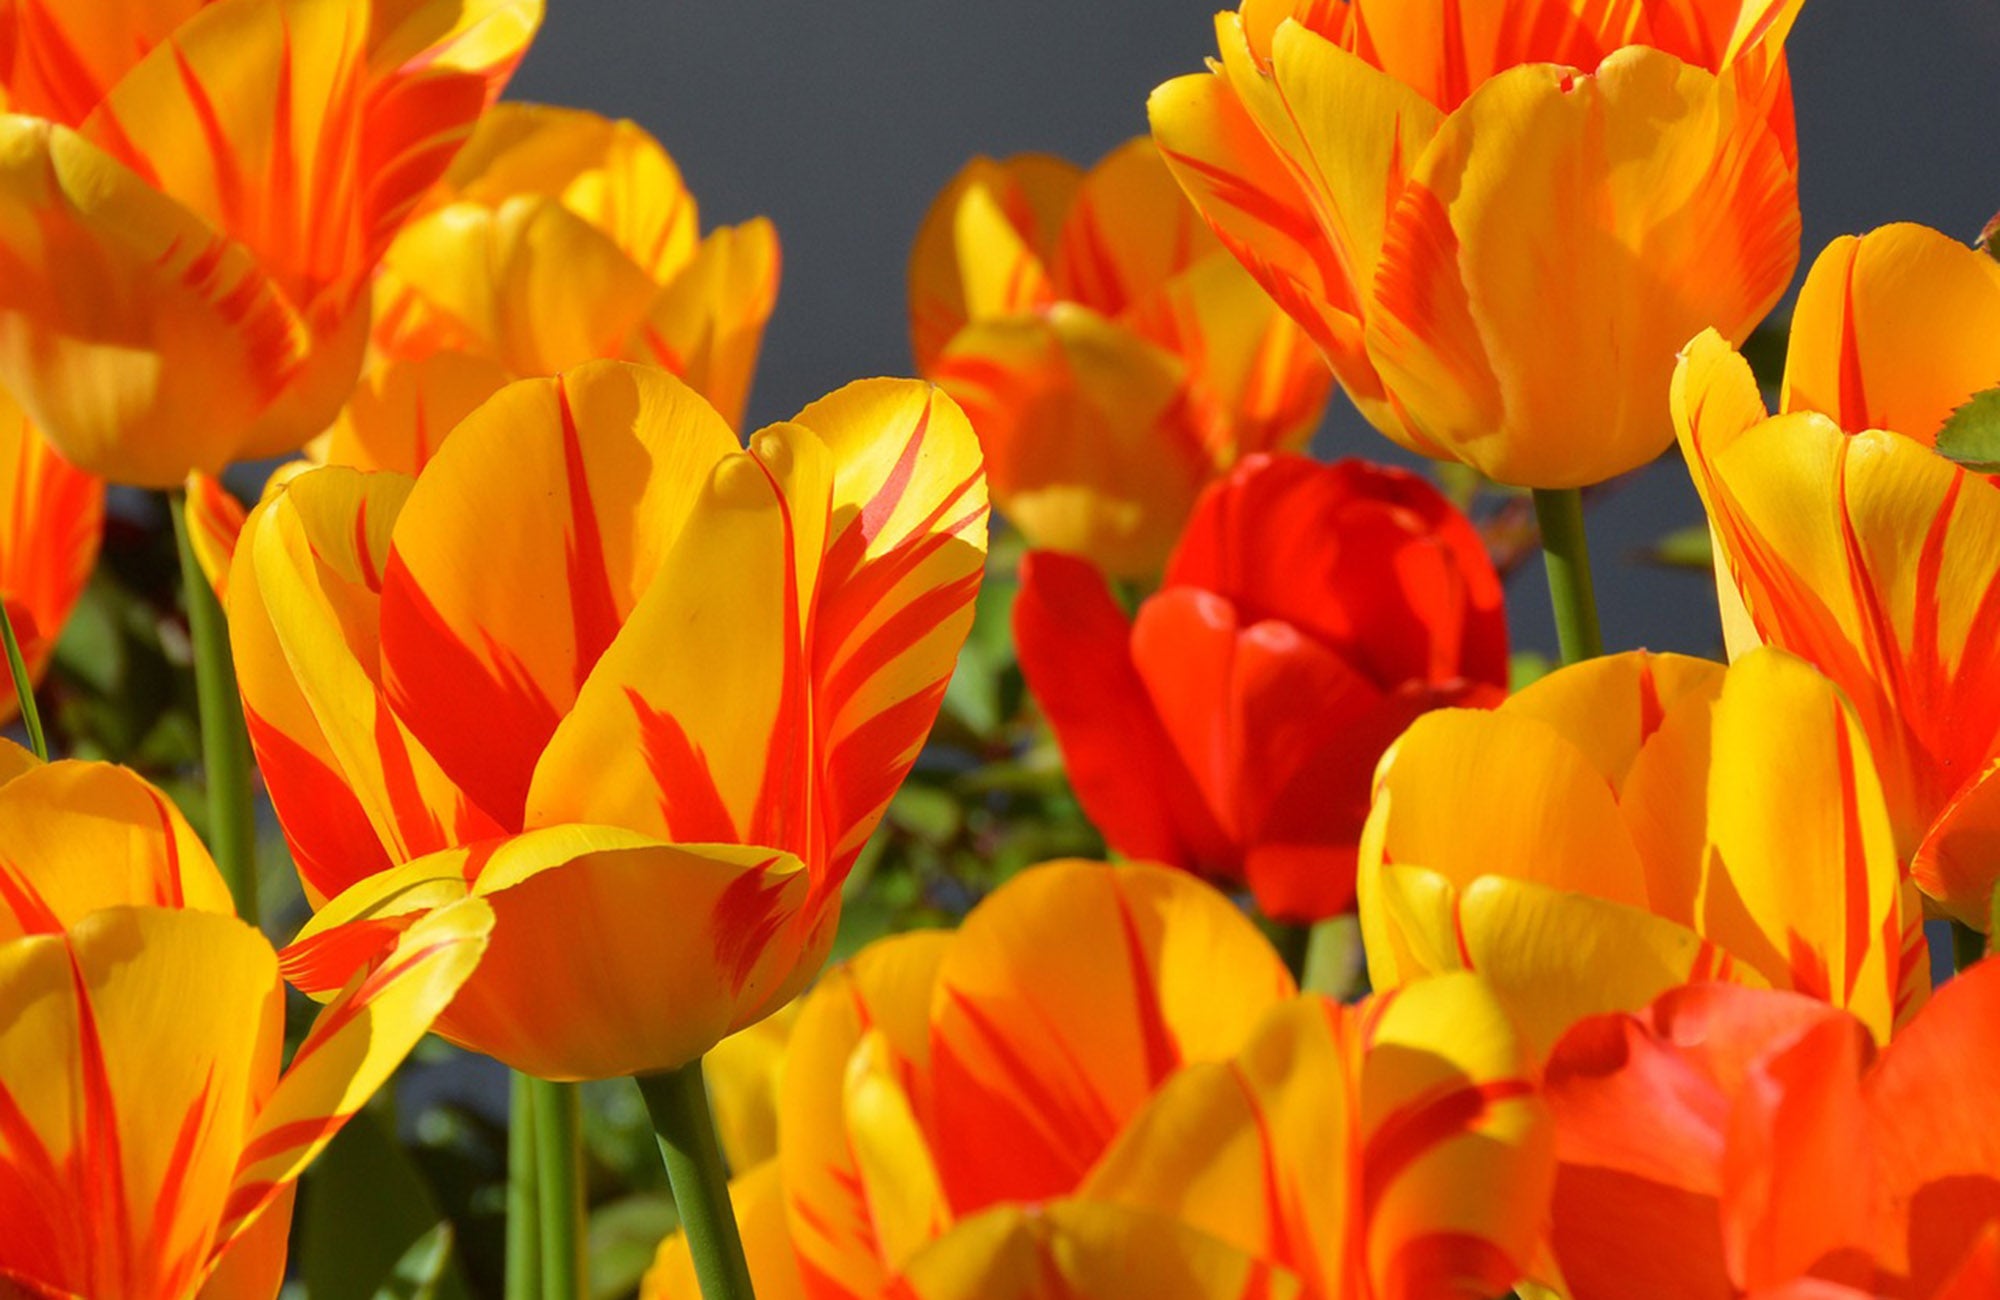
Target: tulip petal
{"x":61,"y":59}
{"x":1655,"y":203}
{"x":353,"y":1047}
{"x":759,"y":1200}
{"x":1893,"y":330}
{"x":1127,"y":232}
{"x":1083,"y":1250}
{"x":135,"y":1051}
{"x":836,"y":1217}
{"x":1043,"y":1047}
{"x":488,"y":634}
{"x":1610,"y":707}
{"x":85,"y":836}
{"x":708,"y":324}
{"x":402,"y":409}
{"x":51,"y":520}
{"x":484,"y":37}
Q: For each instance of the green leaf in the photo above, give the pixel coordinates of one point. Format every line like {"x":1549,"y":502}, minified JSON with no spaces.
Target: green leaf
{"x":420,"y":1273}
{"x":367,"y":1210}
{"x":624,"y":1237}
{"x":1684,"y":548}
{"x":1971,"y":436}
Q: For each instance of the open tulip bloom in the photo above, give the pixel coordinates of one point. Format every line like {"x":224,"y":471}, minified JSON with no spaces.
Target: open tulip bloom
{"x":642,"y":689}
{"x":149,"y":1142}
{"x":1846,"y":538}
{"x":51,"y":520}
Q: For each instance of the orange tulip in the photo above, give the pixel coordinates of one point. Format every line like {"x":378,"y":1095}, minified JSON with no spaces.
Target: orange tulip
{"x":193,"y":197}
{"x":1637,"y":822}
{"x":149,"y":1142}
{"x":53,"y":521}
{"x":483,"y":682}
{"x":1844,"y":538}
{"x":1013,"y":1110}
{"x":1500,"y":225}
{"x":1110,"y":354}
{"x":1309,"y":614}
{"x":1730,"y":1142}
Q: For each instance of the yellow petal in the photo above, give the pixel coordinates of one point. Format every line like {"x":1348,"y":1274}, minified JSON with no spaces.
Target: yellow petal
{"x":136,"y":1049}
{"x":402,"y":409}
{"x":708,"y":324}
{"x":742,"y":1074}
{"x":1127,"y":232}
{"x":1654,"y":205}
{"x":51,"y":520}
{"x":353,"y":1047}
{"x":996,"y":253}
{"x":758,"y":1197}
{"x":62,"y":59}
{"x":1893,"y":330}
{"x":1610,"y":706}
{"x":85,"y":836}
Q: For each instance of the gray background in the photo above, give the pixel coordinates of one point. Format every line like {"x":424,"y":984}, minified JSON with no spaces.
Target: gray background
{"x":840,"y":119}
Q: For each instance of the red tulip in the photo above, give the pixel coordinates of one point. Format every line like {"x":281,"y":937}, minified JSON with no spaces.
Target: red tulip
{"x":1309,"y":614}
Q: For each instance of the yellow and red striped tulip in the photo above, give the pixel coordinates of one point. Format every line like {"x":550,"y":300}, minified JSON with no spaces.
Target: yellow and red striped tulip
{"x":1499,"y":225}
{"x":54,"y":520}
{"x":1005,"y":1110}
{"x":484,"y":681}
{"x":149,"y":1141}
{"x":194,"y":196}
{"x":556,"y":237}
{"x":1111,"y":355}
{"x":1843,"y":537}
{"x":1637,"y":822}
{"x":1730,"y":1142}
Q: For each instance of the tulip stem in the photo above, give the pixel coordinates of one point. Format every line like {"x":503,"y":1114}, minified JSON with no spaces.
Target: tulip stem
{"x":24,"y":690}
{"x":678,"y":1102}
{"x":524,"y":1206}
{"x":1967,"y":946}
{"x":1566,"y":553}
{"x":225,"y":745}
{"x":558,"y":1141}
{"x":1333,"y":958}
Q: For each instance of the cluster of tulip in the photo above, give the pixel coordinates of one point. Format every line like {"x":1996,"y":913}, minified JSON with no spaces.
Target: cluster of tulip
{"x":578,"y":711}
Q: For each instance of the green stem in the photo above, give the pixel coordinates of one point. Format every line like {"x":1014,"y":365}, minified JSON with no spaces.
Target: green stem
{"x":524,"y":1206}
{"x":225,"y":745}
{"x":1566,"y":552}
{"x":1967,"y":945}
{"x":678,"y":1102}
{"x":559,"y":1187}
{"x":1333,"y":958}
{"x":24,"y":691}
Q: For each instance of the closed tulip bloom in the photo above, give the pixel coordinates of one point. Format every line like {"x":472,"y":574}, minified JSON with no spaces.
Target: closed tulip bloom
{"x":1112,"y":356}
{"x":484,"y":681}
{"x":1727,"y":1142}
{"x":193,"y":198}
{"x":1309,"y":614}
{"x":151,"y":1140}
{"x":1845,"y":538}
{"x":1500,"y":225}
{"x":53,"y":521}
{"x":1637,"y":822}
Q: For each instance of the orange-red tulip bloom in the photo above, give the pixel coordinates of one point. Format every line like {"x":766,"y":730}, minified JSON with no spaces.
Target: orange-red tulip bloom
{"x":646,"y":691}
{"x":1025,"y":1108}
{"x":51,"y":521}
{"x":1310,"y":613}
{"x":149,"y":1142}
{"x":1111,"y":355}
{"x":193,"y":197}
{"x":1730,"y":1142}
{"x":1843,"y":537}
{"x":1500,"y":221}
{"x":1636,"y":822}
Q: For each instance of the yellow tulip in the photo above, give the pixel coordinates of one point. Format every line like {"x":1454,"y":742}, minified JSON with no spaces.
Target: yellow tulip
{"x":1637,"y":822}
{"x":1500,"y":221}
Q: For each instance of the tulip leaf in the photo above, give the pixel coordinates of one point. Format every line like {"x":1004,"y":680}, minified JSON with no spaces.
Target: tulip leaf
{"x":1971,"y":436}
{"x":624,"y":1237}
{"x":1684,"y":548}
{"x":421,"y":1272}
{"x":349,"y":1254}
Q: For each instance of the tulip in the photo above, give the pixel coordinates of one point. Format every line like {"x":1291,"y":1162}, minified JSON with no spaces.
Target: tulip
{"x":1011,"y":1111}
{"x":1499,"y":226}
{"x":151,"y":1140}
{"x":53,"y":517}
{"x":1726,"y":1142}
{"x":192,"y":201}
{"x":1309,"y":614}
{"x":1843,"y":537}
{"x":1111,"y":355}
{"x":483,"y":683}
{"x":1639,"y":822}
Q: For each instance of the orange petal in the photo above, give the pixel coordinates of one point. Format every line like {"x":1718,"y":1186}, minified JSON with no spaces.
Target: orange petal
{"x":1559,"y":382}
{"x":402,"y":409}
{"x":708,"y":324}
{"x":1893,"y":330}
{"x":62,"y":59}
{"x":758,"y":1197}
{"x":51,"y":520}
{"x":1127,"y":232}
{"x":1044,"y":1046}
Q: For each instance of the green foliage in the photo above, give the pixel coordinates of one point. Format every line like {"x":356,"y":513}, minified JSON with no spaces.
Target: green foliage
{"x":1971,"y":436}
{"x":370,"y":1226}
